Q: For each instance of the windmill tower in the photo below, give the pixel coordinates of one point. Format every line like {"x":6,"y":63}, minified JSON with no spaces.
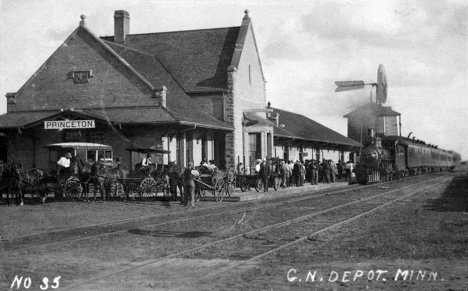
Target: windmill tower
{"x":371,"y":118}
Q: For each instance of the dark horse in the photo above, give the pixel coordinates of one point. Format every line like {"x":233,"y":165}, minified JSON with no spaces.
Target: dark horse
{"x":15,"y":179}
{"x":103,"y":179}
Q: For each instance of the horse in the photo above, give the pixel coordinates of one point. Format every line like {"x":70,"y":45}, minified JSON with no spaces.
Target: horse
{"x":4,"y":179}
{"x":97,"y":177}
{"x":15,"y":181}
{"x":35,"y":180}
{"x":111,"y":178}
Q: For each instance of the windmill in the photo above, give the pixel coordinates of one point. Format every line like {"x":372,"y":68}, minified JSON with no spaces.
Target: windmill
{"x":381,"y":86}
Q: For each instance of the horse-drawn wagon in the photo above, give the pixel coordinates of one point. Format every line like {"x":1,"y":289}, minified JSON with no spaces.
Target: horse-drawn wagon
{"x":219,"y":183}
{"x":74,"y":182}
{"x":145,"y":183}
{"x":252,"y":178}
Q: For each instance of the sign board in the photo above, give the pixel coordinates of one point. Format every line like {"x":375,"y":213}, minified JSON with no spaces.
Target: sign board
{"x":69,"y":124}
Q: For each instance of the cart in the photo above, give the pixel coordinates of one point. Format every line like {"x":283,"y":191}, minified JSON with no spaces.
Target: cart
{"x":67,"y":184}
{"x":212,"y":181}
{"x":245,"y":181}
{"x":139,"y":185}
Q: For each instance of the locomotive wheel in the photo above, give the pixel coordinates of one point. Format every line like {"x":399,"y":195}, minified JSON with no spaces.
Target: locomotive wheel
{"x":219,"y":190}
{"x":244,"y":186}
{"x":276,"y":183}
{"x":258,"y":185}
{"x":148,"y":188}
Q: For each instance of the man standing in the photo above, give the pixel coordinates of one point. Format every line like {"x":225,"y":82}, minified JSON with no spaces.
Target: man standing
{"x":314,"y":167}
{"x":283,"y":170}
{"x":189,"y":184}
{"x":326,"y":171}
{"x":63,"y":164}
{"x":334,"y":171}
{"x":265,"y":173}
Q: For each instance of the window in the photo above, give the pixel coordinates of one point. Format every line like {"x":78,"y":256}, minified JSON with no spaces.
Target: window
{"x":250,"y":74}
{"x":96,"y":136}
{"x":255,"y":146}
{"x":81,"y":76}
{"x":204,"y":149}
{"x":70,"y":136}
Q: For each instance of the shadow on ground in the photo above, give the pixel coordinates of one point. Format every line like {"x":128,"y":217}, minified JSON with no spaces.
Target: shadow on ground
{"x":453,"y":199}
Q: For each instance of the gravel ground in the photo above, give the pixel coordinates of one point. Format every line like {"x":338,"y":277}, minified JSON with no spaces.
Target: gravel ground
{"x":425,"y":233}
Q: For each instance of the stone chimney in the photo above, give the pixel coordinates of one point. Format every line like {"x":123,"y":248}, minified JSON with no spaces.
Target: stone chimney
{"x":11,"y":100}
{"x":160,"y":93}
{"x":121,"y":25}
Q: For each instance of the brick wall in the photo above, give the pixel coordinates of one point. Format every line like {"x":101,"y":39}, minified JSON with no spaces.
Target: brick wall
{"x":112,"y":83}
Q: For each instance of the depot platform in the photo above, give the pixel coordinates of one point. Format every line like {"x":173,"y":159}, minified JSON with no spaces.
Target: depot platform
{"x":254,"y":195}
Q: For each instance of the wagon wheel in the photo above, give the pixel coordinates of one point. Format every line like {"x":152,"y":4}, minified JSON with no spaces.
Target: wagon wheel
{"x":276,"y":183}
{"x":231,"y":187}
{"x":148,"y":188}
{"x":218,"y":190}
{"x":258,"y":185}
{"x":244,"y":185}
{"x":72,"y":189}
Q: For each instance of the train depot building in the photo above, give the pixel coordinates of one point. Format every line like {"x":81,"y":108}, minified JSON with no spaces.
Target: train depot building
{"x":197,"y":94}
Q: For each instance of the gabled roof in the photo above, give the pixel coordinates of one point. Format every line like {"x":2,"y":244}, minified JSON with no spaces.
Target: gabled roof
{"x":127,"y":115}
{"x":373,"y":109}
{"x":178,"y":103}
{"x":197,"y":59}
{"x":301,"y":127}
{"x":21,"y":119}
{"x":180,"y":108}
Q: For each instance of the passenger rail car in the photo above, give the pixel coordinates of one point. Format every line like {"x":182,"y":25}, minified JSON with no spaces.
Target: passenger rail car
{"x":387,"y":157}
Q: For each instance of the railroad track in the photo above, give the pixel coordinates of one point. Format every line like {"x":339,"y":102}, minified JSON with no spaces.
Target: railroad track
{"x":271,"y":200}
{"x":361,"y":207}
{"x":89,"y":232}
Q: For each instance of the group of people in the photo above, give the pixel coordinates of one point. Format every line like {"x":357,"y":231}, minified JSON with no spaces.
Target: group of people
{"x":296,"y":173}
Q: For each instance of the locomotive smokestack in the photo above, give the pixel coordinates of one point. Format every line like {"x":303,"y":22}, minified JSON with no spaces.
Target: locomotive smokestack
{"x":371,"y":132}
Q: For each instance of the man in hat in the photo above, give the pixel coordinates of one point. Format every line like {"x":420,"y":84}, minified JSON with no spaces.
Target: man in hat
{"x":188,"y":176}
{"x":146,"y":163}
{"x":63,"y":164}
{"x":265,"y":173}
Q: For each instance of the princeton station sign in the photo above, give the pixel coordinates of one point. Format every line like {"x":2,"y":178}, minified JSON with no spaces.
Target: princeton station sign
{"x":69,"y":124}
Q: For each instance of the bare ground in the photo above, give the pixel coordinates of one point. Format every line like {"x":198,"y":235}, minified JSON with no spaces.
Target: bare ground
{"x":425,"y":235}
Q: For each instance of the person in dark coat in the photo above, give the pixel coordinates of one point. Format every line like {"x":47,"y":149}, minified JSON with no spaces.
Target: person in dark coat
{"x":265,"y":173}
{"x":339,"y":166}
{"x":297,"y":173}
{"x":189,"y":184}
{"x":326,"y":171}
{"x":314,"y":169}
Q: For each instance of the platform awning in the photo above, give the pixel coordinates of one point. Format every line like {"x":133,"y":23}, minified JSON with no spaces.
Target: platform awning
{"x":78,"y":146}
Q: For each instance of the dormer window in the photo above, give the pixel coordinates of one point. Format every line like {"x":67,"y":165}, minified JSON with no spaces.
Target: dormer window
{"x":81,"y":76}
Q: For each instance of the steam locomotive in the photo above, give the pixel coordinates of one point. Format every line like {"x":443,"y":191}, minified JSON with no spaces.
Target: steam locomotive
{"x":384,"y":158}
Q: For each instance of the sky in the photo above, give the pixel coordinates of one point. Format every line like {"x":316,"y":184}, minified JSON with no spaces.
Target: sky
{"x":304,"y":47}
